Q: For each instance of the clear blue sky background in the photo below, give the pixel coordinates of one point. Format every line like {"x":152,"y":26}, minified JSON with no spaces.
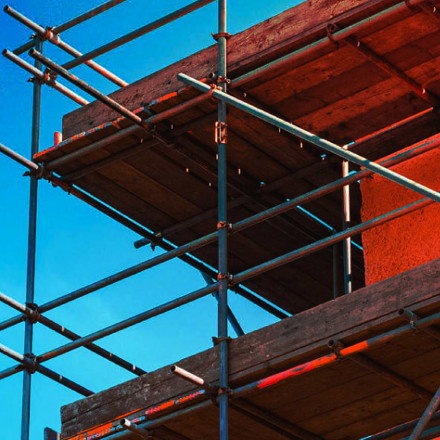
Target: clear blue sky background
{"x":76,"y":244}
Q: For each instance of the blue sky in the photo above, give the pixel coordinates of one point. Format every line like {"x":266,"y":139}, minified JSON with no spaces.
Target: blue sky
{"x":76,"y":244}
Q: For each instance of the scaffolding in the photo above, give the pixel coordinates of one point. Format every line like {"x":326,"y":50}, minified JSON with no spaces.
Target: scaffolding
{"x":218,"y":283}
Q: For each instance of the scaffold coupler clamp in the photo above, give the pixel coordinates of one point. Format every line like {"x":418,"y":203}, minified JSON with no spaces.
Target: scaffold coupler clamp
{"x":40,"y":173}
{"x":224,"y":225}
{"x":154,"y":242}
{"x":336,"y":346}
{"x":330,"y":29}
{"x":217,"y":339}
{"x":223,"y":390}
{"x":225,"y":276}
{"x":220,"y":35}
{"x":34,"y":316}
{"x":221,"y":132}
{"x":222,"y":80}
{"x":49,"y":76}
{"x":411,"y":317}
{"x":31,"y":364}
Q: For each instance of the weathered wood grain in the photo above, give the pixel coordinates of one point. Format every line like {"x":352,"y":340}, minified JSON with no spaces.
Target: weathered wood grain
{"x":254,"y":46}
{"x":272,"y":348}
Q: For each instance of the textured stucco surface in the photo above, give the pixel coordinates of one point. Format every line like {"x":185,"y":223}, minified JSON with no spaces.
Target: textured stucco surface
{"x":408,"y":241}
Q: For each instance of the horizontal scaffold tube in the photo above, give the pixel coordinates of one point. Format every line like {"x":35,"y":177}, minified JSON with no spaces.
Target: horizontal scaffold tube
{"x":196,"y":244}
{"x":271,"y":380}
{"x":69,"y":24}
{"x":333,"y":357}
{"x":291,"y":256}
{"x":33,"y":167}
{"x":312,"y":138}
{"x":37,"y":317}
{"x":124,"y":132}
{"x":137,"y":33}
{"x":49,"y":35}
{"x":86,"y":87}
{"x":130,"y":321}
{"x":241,"y":225}
{"x":39,"y":75}
{"x":86,"y":16}
{"x":33,"y":365}
{"x":326,"y":42}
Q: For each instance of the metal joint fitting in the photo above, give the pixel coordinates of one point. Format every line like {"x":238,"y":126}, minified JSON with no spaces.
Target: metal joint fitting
{"x":223,"y":80}
{"x":336,"y":346}
{"x":221,"y":132}
{"x":330,"y":29}
{"x":224,"y":276}
{"x":49,"y":35}
{"x":34,"y":316}
{"x":30,"y":364}
{"x":216,"y":340}
{"x":224,"y":390}
{"x":49,"y":77}
{"x":224,"y":225}
{"x":220,"y":35}
{"x":411,"y":317}
{"x":42,"y":173}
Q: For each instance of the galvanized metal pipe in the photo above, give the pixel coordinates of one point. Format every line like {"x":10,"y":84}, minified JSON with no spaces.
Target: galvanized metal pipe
{"x":192,"y":378}
{"x":275,"y":379}
{"x":24,"y":48}
{"x":150,"y":121}
{"x":137,"y":33}
{"x":86,"y":87}
{"x":231,"y":317}
{"x":32,"y":166}
{"x":86,"y":16}
{"x":35,"y":316}
{"x":129,"y":322}
{"x":64,"y":381}
{"x":251,"y":221}
{"x":49,"y":35}
{"x":426,"y":417}
{"x":31,"y":250}
{"x":40,"y":76}
{"x":313,"y":139}
{"x":222,"y":226}
{"x":162,"y":419}
{"x":130,"y":271}
{"x":133,"y":226}
{"x":346,"y":220}
{"x":32,"y":365}
{"x":325,"y":242}
{"x":332,"y":358}
{"x":138,"y":432}
{"x":11,"y":371}
{"x":324,"y":43}
{"x":101,"y":143}
{"x":399,"y":429}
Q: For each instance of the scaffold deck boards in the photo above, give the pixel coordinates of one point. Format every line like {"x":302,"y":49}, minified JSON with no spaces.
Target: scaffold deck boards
{"x":167,"y":177}
{"x":341,"y":400}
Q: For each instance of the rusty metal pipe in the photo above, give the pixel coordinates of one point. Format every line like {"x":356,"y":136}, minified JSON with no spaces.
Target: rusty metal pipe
{"x":40,"y":76}
{"x":54,"y":38}
{"x":86,"y":16}
{"x":137,"y":33}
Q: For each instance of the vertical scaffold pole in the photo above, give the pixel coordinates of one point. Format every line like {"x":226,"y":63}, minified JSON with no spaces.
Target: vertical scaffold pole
{"x":30,"y":275}
{"x":221,"y":139}
{"x":346,"y":244}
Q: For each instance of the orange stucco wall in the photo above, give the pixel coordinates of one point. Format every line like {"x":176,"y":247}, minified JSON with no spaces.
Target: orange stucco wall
{"x":408,"y":241}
